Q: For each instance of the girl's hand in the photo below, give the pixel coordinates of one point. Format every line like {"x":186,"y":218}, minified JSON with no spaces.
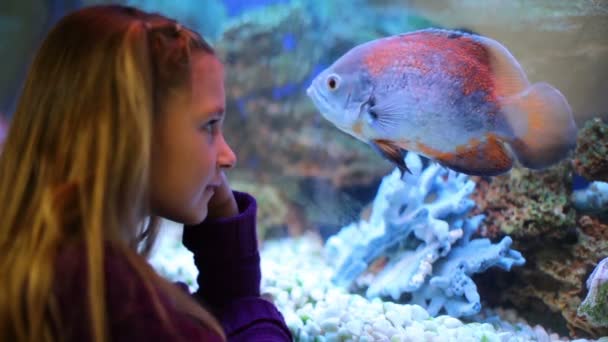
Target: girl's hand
{"x":222,"y":203}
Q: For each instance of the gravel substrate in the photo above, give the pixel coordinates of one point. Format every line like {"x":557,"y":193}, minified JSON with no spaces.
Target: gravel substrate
{"x":297,"y":278}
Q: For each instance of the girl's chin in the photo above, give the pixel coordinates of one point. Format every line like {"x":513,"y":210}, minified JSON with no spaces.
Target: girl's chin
{"x":201,"y":211}
{"x":197,"y":217}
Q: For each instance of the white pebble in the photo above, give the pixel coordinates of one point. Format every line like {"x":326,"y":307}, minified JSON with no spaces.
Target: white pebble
{"x":306,"y":311}
{"x":378,"y":336}
{"x":354,"y":327}
{"x":376,"y":305}
{"x":430,"y":325}
{"x":312,"y":328}
{"x":419,"y":313}
{"x":449,"y":322}
{"x":330,"y":311}
{"x":333,"y":337}
{"x":282,"y":297}
{"x":395,"y":318}
{"x":358,"y":301}
{"x":430,"y":336}
{"x":292,"y":320}
{"x":414,"y":332}
{"x":487,"y":327}
{"x":343,"y":332}
{"x":397,"y":338}
{"x":491,"y":337}
{"x":383,"y":326}
{"x":366,"y":338}
{"x":330,"y":324}
{"x":317,"y":294}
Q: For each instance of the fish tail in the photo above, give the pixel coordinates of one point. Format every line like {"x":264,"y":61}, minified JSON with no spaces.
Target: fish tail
{"x":543,"y":125}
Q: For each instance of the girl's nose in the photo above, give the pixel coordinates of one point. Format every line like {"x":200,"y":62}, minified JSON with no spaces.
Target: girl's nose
{"x":226,"y":158}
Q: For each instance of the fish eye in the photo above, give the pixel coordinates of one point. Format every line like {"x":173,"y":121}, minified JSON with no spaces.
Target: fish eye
{"x":333,"y":81}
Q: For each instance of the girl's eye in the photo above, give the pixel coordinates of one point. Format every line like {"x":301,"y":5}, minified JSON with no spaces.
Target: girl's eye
{"x":211,"y":126}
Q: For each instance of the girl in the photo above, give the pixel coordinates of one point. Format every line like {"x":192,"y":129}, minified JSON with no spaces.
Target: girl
{"x":120,"y":123}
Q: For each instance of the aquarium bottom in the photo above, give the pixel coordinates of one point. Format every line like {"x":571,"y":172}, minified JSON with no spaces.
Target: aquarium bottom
{"x":297,"y":279}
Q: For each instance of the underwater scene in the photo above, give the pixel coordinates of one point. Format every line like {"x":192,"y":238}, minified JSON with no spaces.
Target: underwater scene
{"x":425,"y":170}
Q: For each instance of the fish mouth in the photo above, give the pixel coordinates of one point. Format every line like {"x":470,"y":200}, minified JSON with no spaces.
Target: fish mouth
{"x":319,"y":99}
{"x":326,"y":110}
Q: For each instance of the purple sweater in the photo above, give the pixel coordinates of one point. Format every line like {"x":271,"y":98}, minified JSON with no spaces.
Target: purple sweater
{"x":226,"y":254}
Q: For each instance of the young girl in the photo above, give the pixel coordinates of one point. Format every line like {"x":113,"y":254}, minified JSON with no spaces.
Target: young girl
{"x":120,"y":123}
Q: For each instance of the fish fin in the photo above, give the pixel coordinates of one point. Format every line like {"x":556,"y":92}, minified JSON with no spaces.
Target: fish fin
{"x":393,"y":152}
{"x":542,"y":124}
{"x":389,"y":111}
{"x":509,"y":77}
{"x":480,"y":158}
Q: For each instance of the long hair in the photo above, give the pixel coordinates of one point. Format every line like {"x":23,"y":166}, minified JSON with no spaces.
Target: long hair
{"x":75,"y":163}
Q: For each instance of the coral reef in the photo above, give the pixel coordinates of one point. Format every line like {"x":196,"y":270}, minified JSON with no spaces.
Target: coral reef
{"x":420,"y":231}
{"x":551,"y":284}
{"x":547,"y":224}
{"x":526,"y":203}
{"x":591,"y":159}
{"x":595,"y":305}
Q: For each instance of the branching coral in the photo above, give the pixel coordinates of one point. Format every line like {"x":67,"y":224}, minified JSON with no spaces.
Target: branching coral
{"x":451,"y":286}
{"x":420,"y":225}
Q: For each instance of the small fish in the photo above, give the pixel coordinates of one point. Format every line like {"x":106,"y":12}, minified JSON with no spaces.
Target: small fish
{"x":457,"y":98}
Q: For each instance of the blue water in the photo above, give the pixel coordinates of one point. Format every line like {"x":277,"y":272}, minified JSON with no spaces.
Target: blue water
{"x":236,"y":7}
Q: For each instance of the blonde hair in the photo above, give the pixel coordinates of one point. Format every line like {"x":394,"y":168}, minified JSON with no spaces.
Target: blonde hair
{"x":74,"y":166}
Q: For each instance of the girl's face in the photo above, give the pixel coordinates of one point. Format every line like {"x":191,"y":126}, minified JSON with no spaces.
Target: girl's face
{"x":188,"y":148}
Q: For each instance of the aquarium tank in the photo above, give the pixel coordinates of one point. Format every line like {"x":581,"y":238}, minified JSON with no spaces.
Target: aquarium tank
{"x":372,"y":225}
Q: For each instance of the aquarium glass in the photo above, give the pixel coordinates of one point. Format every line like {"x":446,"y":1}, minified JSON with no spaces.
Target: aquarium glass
{"x":354,"y":248}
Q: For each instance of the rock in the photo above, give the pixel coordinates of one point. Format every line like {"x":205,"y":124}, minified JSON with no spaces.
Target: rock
{"x":595,"y":305}
{"x":526,"y":204}
{"x":591,"y":159}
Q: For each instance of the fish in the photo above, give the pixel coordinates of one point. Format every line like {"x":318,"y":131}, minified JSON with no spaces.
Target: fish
{"x":456,"y":98}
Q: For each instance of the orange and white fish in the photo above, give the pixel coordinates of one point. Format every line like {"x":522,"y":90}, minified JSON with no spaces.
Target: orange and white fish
{"x":457,"y":98}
